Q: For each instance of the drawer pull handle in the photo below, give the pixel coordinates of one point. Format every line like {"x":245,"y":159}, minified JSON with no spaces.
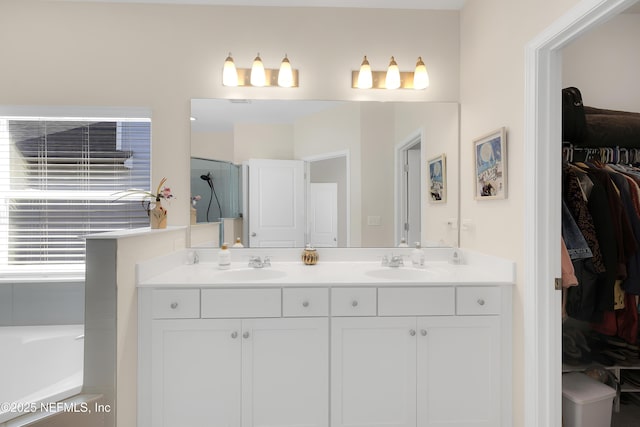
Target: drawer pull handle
{"x":481,"y":301}
{"x":174,"y":305}
{"x":423,"y":332}
{"x":305,"y":303}
{"x":354,"y":303}
{"x":245,"y":335}
{"x":412,"y":333}
{"x":234,"y":335}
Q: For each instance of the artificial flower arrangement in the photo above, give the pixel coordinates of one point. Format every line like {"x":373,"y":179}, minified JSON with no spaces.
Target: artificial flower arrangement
{"x":195,"y":200}
{"x":157,"y":213}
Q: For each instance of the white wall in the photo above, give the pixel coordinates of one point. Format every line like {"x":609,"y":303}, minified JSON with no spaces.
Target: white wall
{"x":493,"y":36}
{"x":257,"y":141}
{"x":605,"y":64}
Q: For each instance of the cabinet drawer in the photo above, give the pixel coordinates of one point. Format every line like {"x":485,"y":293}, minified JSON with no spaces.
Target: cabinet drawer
{"x":219,"y":303}
{"x":436,"y":301}
{"x":353,"y":302}
{"x":478,"y":300}
{"x":175,"y":303}
{"x":301,"y":302}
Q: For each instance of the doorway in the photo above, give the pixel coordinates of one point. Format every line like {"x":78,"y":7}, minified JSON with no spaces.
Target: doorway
{"x":543,"y":84}
{"x":408,"y":207}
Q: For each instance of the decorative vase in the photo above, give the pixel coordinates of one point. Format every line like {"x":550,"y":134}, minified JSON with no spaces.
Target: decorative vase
{"x":158,"y":216}
{"x":194,"y":216}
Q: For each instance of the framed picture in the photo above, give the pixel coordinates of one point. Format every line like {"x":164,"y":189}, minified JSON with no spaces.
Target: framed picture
{"x":437,"y":184}
{"x":490,"y":155}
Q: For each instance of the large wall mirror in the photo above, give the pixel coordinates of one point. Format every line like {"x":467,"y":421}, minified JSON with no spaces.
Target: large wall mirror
{"x":328,"y":173}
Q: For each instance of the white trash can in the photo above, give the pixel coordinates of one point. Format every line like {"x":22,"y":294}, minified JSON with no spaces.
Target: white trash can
{"x":585,"y":401}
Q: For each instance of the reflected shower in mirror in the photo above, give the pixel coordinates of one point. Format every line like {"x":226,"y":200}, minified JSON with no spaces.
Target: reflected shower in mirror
{"x":215,"y":189}
{"x":329,"y":173}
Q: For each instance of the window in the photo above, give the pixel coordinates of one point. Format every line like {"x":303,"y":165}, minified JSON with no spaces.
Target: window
{"x":58,"y":177}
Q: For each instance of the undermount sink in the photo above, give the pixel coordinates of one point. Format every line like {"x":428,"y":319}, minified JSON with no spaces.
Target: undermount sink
{"x":251,"y":274}
{"x":401,"y":273}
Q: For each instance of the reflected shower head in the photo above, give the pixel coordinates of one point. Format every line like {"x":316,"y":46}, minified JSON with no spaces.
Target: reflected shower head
{"x":207,"y":178}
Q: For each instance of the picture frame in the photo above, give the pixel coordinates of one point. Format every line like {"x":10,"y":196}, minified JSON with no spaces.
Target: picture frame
{"x":490,"y":165}
{"x":437,"y":179}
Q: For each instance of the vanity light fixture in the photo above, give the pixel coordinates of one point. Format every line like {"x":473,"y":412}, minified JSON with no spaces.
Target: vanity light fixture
{"x":365,"y":78}
{"x":285,"y":75}
{"x":420,"y":75}
{"x":392,"y":78}
{"x":229,"y":73}
{"x":258,"y":75}
{"x":258,"y":78}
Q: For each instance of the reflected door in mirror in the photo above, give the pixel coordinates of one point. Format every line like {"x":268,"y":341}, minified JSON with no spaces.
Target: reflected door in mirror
{"x":276,"y":203}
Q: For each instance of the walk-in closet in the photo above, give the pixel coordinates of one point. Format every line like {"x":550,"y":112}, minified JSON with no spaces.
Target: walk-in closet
{"x":601,"y":219}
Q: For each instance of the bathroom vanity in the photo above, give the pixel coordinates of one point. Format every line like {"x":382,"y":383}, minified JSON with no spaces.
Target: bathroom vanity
{"x":343,"y":343}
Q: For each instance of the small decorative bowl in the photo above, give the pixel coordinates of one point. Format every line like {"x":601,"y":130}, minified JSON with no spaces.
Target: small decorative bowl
{"x":310,"y":256}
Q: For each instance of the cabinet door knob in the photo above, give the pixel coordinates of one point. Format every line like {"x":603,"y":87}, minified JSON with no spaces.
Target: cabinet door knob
{"x":412,"y":332}
{"x":305,"y":303}
{"x":174,"y":305}
{"x":423,"y":332}
{"x":234,"y":335}
{"x":480,"y":301}
{"x":354,"y":303}
{"x":245,"y":335}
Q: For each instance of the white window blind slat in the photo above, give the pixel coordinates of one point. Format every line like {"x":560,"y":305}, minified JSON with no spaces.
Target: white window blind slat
{"x":58,"y":183}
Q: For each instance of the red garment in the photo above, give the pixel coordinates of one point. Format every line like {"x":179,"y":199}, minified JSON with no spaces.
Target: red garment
{"x":622,"y":323}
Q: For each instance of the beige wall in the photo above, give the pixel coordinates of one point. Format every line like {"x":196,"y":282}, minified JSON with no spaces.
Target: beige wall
{"x":212,"y":145}
{"x":590,"y":61}
{"x":161,"y":56}
{"x":493,"y":36}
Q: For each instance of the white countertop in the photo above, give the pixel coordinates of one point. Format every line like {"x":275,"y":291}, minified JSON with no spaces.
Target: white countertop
{"x":292,"y":273}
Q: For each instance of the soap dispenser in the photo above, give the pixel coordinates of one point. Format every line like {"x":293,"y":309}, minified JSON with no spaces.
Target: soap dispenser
{"x":238,"y":243}
{"x":224,"y":257}
{"x":417,"y":256}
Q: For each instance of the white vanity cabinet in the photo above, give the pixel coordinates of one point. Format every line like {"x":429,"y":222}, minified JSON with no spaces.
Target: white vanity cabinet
{"x":421,"y":362}
{"x":231,"y":372}
{"x":369,"y":355}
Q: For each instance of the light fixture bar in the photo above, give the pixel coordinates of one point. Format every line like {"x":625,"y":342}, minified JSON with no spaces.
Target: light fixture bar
{"x":379,"y":79}
{"x":271,"y":77}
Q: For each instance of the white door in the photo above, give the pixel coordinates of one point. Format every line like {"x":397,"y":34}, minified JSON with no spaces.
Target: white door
{"x":323,"y":215}
{"x":196,"y":373}
{"x":459,"y":371}
{"x":373,"y":372}
{"x":276,"y":203}
{"x":414,"y":198}
{"x":285,"y":372}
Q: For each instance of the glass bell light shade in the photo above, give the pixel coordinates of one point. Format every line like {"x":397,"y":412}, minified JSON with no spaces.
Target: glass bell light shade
{"x":258,"y":77}
{"x":365,"y":78}
{"x":420,"y":75}
{"x":392,"y":80}
{"x":285,"y":74}
{"x":229,"y":72}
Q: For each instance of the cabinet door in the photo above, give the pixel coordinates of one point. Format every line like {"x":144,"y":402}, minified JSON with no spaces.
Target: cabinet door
{"x":373,"y":372}
{"x":285,"y":372}
{"x":459,"y":371}
{"x":196,"y":373}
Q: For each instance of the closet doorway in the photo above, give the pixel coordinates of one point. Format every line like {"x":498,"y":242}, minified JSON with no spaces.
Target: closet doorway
{"x":408,"y":206}
{"x":543,"y":84}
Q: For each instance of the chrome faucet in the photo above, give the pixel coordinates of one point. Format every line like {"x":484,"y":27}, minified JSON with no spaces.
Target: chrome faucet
{"x":396,"y":261}
{"x":393,"y":261}
{"x":257,"y":262}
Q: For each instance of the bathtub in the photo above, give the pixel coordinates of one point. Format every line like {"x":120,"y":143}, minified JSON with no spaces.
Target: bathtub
{"x":39,"y":364}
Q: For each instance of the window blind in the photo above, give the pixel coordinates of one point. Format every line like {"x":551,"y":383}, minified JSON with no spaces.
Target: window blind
{"x":58,"y":182}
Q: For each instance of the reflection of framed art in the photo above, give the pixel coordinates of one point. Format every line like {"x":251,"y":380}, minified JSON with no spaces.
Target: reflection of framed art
{"x":490,"y":155}
{"x":437,"y":168}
